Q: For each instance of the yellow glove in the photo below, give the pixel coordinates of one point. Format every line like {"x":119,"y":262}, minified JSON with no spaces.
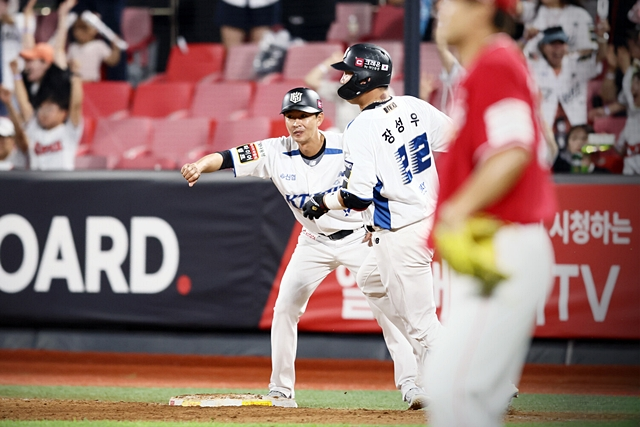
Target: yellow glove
{"x":469,"y":250}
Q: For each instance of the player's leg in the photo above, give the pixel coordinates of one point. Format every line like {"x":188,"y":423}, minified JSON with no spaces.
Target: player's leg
{"x":308,"y":266}
{"x":405,"y":269}
{"x":470,"y":372}
{"x":359,"y":258}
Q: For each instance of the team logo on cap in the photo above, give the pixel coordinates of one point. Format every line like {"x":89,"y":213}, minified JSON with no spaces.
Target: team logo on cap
{"x":359,"y":62}
{"x":319,"y":104}
{"x":295,"y":97}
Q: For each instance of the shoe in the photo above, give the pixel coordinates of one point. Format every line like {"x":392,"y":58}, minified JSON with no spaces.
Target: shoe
{"x":416,"y":398}
{"x":277,"y":394}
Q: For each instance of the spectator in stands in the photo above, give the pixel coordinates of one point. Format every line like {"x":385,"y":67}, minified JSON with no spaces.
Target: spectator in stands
{"x":572,"y":159}
{"x":628,"y":143}
{"x":562,"y":78}
{"x":45,"y":72}
{"x":576,"y":22}
{"x":91,"y":51}
{"x":110,"y":13}
{"x":11,"y":155}
{"x":626,"y":61}
{"x":14,"y":26}
{"x":245,"y":20}
{"x":53,"y":133}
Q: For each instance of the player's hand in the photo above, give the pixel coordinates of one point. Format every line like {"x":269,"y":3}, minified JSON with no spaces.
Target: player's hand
{"x":191,"y":173}
{"x":469,"y":250}
{"x":314,"y":208}
{"x":368,"y":238}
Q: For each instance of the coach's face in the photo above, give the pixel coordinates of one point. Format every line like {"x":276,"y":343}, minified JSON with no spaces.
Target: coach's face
{"x":303,"y":127}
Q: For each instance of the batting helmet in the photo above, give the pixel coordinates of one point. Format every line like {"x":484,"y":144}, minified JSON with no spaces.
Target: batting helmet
{"x":302,"y":99}
{"x":371,"y":68}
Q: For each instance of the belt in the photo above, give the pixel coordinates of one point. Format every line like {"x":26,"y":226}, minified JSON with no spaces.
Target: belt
{"x":339,"y":234}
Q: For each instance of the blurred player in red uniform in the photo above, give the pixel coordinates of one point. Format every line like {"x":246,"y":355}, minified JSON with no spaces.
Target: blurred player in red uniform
{"x":495,"y":190}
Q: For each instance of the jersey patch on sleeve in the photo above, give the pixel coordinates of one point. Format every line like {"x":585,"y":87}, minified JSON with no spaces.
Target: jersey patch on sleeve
{"x":509,"y":121}
{"x":248,"y":152}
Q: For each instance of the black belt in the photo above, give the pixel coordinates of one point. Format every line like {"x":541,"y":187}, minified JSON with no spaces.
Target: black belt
{"x":369,"y":228}
{"x":338,"y":234}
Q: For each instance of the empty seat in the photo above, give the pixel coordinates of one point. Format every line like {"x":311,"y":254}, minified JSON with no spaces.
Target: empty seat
{"x":232,"y":133}
{"x":301,"y":59}
{"x":609,"y":124}
{"x":239,"y":62}
{"x":201,"y":61}
{"x":114,"y":137}
{"x":137,"y":31}
{"x":162,"y":99}
{"x":106,"y":98}
{"x":145,"y":162}
{"x":353,"y":22}
{"x":388,"y":23}
{"x":222,"y":100}
{"x":267,"y":101}
{"x":173,"y":139}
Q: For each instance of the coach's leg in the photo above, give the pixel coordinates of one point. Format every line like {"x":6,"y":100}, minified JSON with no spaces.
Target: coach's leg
{"x":308,"y":266}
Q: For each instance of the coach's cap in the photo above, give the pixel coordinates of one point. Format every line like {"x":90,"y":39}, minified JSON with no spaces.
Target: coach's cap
{"x":42,"y":51}
{"x":6,"y":127}
{"x":553,"y":34}
{"x":302,"y":99}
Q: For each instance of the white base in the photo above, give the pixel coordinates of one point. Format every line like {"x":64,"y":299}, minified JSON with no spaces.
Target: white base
{"x":216,"y":400}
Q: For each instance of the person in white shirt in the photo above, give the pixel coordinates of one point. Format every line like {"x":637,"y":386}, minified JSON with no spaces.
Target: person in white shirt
{"x":11,"y":155}
{"x":90,"y":51}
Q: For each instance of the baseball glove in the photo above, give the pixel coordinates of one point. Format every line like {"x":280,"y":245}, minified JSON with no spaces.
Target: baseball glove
{"x":469,"y":250}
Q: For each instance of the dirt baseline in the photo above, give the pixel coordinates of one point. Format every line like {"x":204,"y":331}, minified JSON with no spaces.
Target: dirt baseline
{"x":26,"y":367}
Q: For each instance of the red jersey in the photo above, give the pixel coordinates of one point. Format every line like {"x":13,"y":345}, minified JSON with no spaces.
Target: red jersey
{"x":496,"y":108}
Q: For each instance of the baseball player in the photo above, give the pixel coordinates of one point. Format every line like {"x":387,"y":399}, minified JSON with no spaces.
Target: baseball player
{"x":307,"y":162}
{"x":495,"y":191}
{"x":391,"y":176}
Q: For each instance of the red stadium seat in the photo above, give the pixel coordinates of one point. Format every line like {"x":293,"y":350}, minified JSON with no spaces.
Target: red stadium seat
{"x":301,"y":59}
{"x":222,"y":100}
{"x":609,"y":124}
{"x":114,"y":137}
{"x":388,"y":23}
{"x":267,"y":101}
{"x":239,"y":62}
{"x":200,"y":62}
{"x":162,"y":99}
{"x":173,"y":139}
{"x":146,"y":162}
{"x":232,"y":133}
{"x":106,"y":98}
{"x":353,"y":22}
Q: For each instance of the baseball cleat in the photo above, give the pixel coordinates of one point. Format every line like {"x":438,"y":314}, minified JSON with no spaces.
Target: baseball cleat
{"x":416,"y":398}
{"x":277,"y":394}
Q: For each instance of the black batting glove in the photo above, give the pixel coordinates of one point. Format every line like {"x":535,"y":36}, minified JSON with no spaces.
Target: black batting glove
{"x":314,"y":208}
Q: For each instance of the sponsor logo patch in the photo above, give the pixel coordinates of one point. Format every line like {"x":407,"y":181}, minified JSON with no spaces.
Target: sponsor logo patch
{"x":359,"y":62}
{"x":248,"y":153}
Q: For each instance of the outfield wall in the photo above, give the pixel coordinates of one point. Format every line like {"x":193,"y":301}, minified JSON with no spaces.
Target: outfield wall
{"x":96,"y":252}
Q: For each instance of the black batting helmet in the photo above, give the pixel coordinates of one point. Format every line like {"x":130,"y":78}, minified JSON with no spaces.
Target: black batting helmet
{"x":371,"y":68}
{"x":302,"y":99}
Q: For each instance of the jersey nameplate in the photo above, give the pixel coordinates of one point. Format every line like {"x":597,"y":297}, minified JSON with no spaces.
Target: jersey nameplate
{"x":391,"y":106}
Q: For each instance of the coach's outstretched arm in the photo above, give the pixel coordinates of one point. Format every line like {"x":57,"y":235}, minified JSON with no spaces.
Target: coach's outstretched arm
{"x":210,"y":163}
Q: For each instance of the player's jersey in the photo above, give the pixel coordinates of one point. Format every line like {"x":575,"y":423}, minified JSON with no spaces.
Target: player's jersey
{"x":53,"y":149}
{"x":489,"y":118}
{"x":390,"y":160}
{"x":279,"y":159}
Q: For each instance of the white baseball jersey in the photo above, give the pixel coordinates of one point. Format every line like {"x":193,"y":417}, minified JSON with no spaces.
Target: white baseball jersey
{"x":279,"y":159}
{"x":53,"y":149}
{"x":390,"y":162}
{"x":574,"y":20}
{"x":568,"y":88}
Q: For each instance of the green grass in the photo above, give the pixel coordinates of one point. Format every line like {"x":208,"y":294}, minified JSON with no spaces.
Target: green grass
{"x":391,"y":400}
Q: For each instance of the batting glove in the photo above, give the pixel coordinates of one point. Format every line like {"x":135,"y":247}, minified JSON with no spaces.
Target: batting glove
{"x":314,"y":208}
{"x":470,"y":250}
